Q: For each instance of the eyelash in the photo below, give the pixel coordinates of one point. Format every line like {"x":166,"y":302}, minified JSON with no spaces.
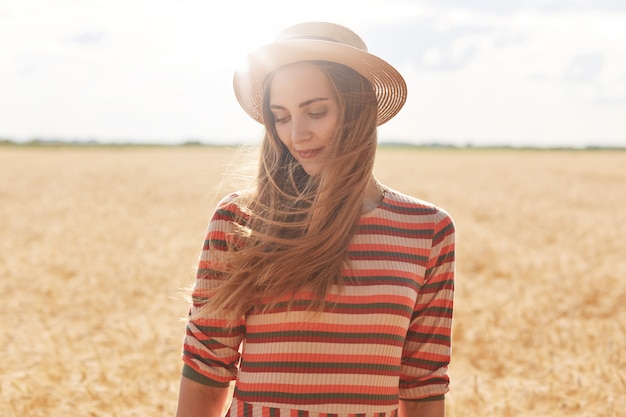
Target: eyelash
{"x":317,"y":115}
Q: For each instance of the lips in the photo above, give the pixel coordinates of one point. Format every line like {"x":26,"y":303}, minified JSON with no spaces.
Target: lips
{"x":309,"y":153}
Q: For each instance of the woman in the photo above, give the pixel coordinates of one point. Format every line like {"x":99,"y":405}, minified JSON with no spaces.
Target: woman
{"x":319,"y":290}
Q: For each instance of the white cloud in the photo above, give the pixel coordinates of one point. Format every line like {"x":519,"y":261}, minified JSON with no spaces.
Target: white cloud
{"x":526,"y":71}
{"x":533,"y":78}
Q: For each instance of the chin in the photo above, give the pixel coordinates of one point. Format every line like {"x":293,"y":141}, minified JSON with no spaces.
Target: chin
{"x":312,"y":171}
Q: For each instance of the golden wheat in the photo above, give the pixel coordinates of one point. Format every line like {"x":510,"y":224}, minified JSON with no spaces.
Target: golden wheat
{"x":97,"y":243}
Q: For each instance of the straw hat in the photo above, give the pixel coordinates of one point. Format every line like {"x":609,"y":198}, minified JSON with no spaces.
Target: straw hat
{"x":318,"y":41}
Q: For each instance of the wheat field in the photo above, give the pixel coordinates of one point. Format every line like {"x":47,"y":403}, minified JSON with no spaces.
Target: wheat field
{"x":97,"y":243}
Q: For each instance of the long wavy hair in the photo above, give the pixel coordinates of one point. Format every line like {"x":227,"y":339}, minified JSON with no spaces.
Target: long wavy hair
{"x":297,"y":227}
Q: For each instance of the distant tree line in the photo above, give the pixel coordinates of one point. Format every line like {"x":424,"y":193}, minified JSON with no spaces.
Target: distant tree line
{"x":195,"y":142}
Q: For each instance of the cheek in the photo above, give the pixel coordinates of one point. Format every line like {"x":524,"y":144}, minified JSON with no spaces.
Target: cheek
{"x":283,"y":133}
{"x":330,"y":128}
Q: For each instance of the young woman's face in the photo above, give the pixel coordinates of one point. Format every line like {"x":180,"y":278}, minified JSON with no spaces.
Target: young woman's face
{"x":306,"y":113}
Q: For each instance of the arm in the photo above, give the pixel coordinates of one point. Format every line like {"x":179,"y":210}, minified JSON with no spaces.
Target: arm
{"x":427,"y":346}
{"x":198,"y":400}
{"x":210,"y":348}
{"x":421,"y":408}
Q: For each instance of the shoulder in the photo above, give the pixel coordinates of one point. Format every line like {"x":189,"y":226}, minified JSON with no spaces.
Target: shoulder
{"x":230,"y":207}
{"x":225,"y":224}
{"x":420,"y":213}
{"x":406,"y":205}
{"x":229,"y":211}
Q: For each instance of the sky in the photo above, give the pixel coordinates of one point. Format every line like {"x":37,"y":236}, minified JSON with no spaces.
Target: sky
{"x":481,"y":72}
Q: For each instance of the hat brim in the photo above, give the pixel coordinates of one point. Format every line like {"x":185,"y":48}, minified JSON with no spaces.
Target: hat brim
{"x":389,"y":86}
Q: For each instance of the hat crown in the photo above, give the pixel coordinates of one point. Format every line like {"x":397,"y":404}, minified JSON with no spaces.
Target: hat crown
{"x":318,"y":41}
{"x":322,"y":31}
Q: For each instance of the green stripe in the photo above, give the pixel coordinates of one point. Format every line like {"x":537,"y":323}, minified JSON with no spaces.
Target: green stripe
{"x":269,"y":395}
{"x":226,"y":213}
{"x":208,"y":362}
{"x":219,"y":244}
{"x":424,"y":233}
{"x":446,"y":230}
{"x":437,"y":285}
{"x":424,"y":364}
{"x":419,"y":210}
{"x":220,"y":331}
{"x":212,"y":272}
{"x":439,"y":311}
{"x":428,"y":337}
{"x":423,"y":260}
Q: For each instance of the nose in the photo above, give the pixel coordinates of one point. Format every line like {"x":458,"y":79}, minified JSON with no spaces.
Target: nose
{"x":300,"y":131}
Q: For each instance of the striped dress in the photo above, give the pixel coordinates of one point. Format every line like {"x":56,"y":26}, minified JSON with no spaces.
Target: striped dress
{"x":386,"y":335}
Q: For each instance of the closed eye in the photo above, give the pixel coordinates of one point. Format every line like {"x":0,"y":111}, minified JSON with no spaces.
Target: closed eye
{"x":281,"y":118}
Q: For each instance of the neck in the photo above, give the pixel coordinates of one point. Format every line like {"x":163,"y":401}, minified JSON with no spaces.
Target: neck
{"x":374,"y":194}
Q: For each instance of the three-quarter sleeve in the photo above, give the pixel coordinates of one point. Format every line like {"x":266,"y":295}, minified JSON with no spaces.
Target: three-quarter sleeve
{"x":211,"y":345}
{"x":427,"y":349}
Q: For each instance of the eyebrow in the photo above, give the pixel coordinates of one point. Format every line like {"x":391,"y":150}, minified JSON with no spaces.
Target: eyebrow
{"x":301,"y":105}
